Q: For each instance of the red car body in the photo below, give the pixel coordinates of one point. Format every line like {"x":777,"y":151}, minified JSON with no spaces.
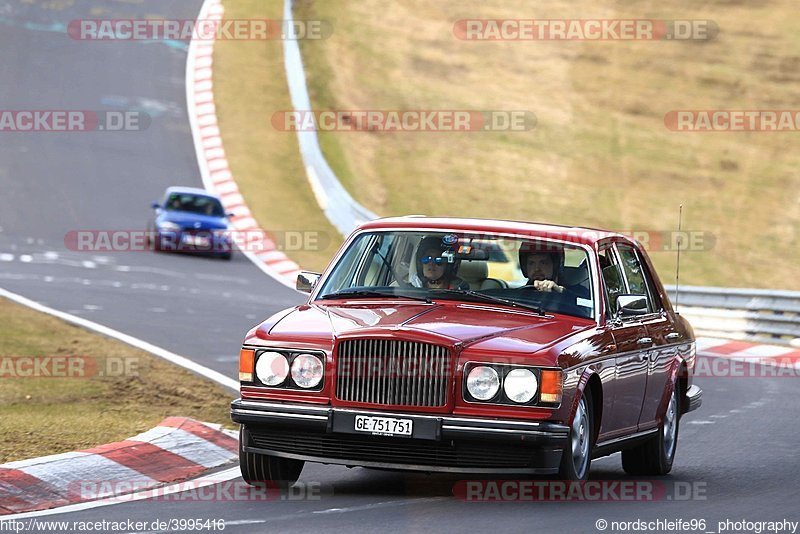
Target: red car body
{"x":627,"y":369}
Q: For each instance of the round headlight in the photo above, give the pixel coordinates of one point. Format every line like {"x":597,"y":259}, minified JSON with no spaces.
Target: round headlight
{"x":520,"y":385}
{"x":272,"y":368}
{"x":483,"y":383}
{"x":307,"y":371}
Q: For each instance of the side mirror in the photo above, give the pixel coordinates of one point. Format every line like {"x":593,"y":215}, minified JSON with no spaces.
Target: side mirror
{"x":628,"y":305}
{"x":306,"y":281}
{"x":155,"y":205}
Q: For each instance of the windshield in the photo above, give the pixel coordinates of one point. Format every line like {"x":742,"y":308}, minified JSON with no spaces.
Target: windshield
{"x":199,"y":204}
{"x":537,"y":274}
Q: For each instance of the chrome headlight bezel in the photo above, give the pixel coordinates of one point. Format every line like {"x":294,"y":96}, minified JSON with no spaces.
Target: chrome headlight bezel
{"x":503,"y":398}
{"x":290,"y":355}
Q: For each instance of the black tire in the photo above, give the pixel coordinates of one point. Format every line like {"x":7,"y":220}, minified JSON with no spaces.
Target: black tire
{"x":655,"y":456}
{"x":571,"y":468}
{"x":262,"y":469}
{"x":226,"y":256}
{"x":154,"y":240}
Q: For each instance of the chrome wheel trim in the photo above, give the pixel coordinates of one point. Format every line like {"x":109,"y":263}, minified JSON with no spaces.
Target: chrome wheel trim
{"x":670,"y":426}
{"x":580,"y":439}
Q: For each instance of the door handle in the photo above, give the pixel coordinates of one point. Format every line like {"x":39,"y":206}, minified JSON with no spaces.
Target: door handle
{"x":645,"y":341}
{"x":673,"y":335}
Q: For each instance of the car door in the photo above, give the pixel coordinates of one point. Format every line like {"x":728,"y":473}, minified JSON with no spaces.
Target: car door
{"x":630,"y":365}
{"x":661,"y":353}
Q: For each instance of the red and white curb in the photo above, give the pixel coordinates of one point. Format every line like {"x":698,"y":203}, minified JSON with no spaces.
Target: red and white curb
{"x":214,"y":168}
{"x":177,"y":449}
{"x":744,"y":351}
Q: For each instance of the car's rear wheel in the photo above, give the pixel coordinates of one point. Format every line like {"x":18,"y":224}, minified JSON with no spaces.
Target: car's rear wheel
{"x":577,"y":457}
{"x":655,"y":456}
{"x":267,"y":470}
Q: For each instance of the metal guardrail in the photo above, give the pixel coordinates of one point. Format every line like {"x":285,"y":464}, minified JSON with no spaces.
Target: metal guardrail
{"x":761,"y":315}
{"x":340,"y":208}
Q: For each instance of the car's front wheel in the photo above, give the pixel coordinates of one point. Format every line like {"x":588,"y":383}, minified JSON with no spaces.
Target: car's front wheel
{"x":271,"y":471}
{"x":655,"y":456}
{"x":577,"y":457}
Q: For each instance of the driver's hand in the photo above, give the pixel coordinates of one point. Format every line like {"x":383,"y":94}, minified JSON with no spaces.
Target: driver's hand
{"x":548,"y":286}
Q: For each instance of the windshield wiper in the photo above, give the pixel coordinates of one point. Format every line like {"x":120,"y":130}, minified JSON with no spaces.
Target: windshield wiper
{"x":371,"y":293}
{"x":489,"y":298}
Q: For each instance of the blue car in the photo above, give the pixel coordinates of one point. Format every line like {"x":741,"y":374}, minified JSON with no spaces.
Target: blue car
{"x":190,"y":220}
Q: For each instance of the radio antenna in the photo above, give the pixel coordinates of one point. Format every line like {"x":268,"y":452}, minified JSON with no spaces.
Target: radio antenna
{"x":678,"y":262}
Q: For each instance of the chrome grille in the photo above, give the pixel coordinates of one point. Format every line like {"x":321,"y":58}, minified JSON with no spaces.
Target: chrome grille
{"x":392,"y":372}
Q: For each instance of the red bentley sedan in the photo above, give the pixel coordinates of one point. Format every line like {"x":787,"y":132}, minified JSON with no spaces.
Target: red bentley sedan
{"x":465,"y":345}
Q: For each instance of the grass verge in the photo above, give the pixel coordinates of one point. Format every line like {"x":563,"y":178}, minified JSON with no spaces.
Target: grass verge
{"x":249,"y":87}
{"x":79,"y":408}
{"x":600,"y":155}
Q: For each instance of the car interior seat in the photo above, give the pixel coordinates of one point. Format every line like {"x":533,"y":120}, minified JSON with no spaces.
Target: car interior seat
{"x":476,"y":273}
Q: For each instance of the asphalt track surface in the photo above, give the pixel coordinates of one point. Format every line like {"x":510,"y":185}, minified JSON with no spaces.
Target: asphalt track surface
{"x":739,"y":452}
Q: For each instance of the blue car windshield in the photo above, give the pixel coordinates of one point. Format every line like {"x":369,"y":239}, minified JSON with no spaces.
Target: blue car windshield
{"x":199,"y":204}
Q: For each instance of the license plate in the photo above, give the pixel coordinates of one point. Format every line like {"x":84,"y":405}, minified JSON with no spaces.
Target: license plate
{"x":383,"y":426}
{"x":199,"y":241}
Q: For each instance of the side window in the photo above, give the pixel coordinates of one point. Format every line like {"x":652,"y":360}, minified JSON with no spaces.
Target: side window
{"x":635,"y":273}
{"x":612,"y":278}
{"x":377,"y":271}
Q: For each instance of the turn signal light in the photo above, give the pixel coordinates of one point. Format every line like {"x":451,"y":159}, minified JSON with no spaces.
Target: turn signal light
{"x":550,"y":386}
{"x":246,"y":358}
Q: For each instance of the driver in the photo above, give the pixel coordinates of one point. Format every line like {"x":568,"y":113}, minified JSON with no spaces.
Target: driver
{"x":433,"y":270}
{"x":541,"y":265}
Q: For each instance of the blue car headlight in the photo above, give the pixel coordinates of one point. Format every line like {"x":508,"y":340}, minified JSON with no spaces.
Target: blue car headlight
{"x":168,"y":227}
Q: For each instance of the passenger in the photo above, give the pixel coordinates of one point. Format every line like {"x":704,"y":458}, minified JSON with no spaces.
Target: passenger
{"x":433,"y":270}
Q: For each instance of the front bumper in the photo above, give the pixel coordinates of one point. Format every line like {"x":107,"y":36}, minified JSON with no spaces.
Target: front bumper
{"x":444,"y":443}
{"x":692,"y":399}
{"x":191,"y":241}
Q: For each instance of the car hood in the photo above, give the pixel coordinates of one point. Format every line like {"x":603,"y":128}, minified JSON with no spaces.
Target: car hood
{"x":444,"y":322}
{"x":193,"y":220}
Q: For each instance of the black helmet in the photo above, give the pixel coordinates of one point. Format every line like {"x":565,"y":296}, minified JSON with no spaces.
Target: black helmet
{"x":435,"y":243}
{"x":555,"y":251}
